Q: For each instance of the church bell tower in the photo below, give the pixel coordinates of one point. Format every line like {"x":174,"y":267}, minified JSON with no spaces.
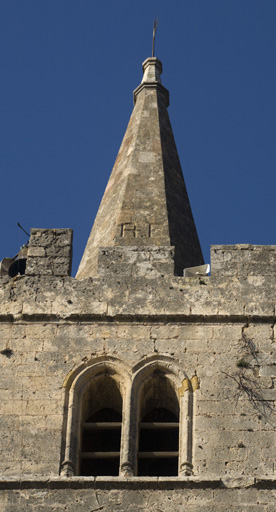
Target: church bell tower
{"x":143,"y":384}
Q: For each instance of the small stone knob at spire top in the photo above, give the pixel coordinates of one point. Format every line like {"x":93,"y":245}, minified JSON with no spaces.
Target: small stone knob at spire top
{"x":152,"y":68}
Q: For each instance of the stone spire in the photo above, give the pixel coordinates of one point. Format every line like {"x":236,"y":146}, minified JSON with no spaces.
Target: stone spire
{"x":145,"y":203}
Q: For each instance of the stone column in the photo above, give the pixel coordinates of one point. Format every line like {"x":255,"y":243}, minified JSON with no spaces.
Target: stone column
{"x":185,"y":429}
{"x":126,"y":459}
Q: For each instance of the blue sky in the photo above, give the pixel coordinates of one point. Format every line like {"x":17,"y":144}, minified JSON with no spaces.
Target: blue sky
{"x":68,"y":69}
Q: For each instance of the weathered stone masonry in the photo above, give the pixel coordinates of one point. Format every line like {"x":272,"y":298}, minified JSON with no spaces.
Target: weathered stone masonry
{"x":131,"y":318}
{"x":198,"y":323}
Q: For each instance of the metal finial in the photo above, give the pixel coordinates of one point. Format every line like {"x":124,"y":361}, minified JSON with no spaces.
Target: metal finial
{"x":155,"y":25}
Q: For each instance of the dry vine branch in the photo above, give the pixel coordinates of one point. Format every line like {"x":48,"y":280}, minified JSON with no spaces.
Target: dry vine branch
{"x":250,"y":348}
{"x":254,"y":392}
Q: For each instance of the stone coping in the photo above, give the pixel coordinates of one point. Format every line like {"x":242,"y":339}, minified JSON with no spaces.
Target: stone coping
{"x":166,"y":483}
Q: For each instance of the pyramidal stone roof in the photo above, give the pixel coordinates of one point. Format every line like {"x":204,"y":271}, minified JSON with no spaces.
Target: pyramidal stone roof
{"x":145,"y":203}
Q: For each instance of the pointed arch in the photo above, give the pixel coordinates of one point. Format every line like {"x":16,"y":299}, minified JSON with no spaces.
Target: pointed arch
{"x":95,"y":392}
{"x":163,"y":409}
{"x":167,"y":364}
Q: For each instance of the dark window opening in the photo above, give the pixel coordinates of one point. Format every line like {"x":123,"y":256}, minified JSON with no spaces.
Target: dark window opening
{"x":100,"y":467}
{"x":102,"y":432}
{"x":158,"y":429}
{"x":101,"y":439}
{"x":101,"y":429}
{"x":158,"y":467}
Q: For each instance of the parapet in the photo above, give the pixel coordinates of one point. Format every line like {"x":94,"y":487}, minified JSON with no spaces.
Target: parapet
{"x":136,"y":261}
{"x":49,"y":252}
{"x":243,"y":260}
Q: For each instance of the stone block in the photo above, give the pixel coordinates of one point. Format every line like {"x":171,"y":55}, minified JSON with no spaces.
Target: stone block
{"x":136,"y":261}
{"x":49,"y":252}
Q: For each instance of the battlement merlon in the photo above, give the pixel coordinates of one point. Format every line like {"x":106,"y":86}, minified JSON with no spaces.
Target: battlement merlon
{"x":50,"y":252}
{"x":243,"y":260}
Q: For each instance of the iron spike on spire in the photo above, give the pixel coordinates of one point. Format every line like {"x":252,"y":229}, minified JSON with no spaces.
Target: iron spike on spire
{"x":155,"y":25}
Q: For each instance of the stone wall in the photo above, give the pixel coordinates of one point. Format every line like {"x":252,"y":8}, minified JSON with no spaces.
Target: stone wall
{"x":76,"y":495}
{"x":220,"y":328}
{"x":36,"y":357}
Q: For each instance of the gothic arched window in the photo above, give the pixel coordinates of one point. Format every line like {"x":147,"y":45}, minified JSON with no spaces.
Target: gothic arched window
{"x":116,"y":425}
{"x":158,"y":444}
{"x":101,"y":422}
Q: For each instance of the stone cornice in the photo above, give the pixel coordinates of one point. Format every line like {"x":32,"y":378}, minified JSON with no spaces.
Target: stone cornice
{"x":152,"y":85}
{"x":138,"y":483}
